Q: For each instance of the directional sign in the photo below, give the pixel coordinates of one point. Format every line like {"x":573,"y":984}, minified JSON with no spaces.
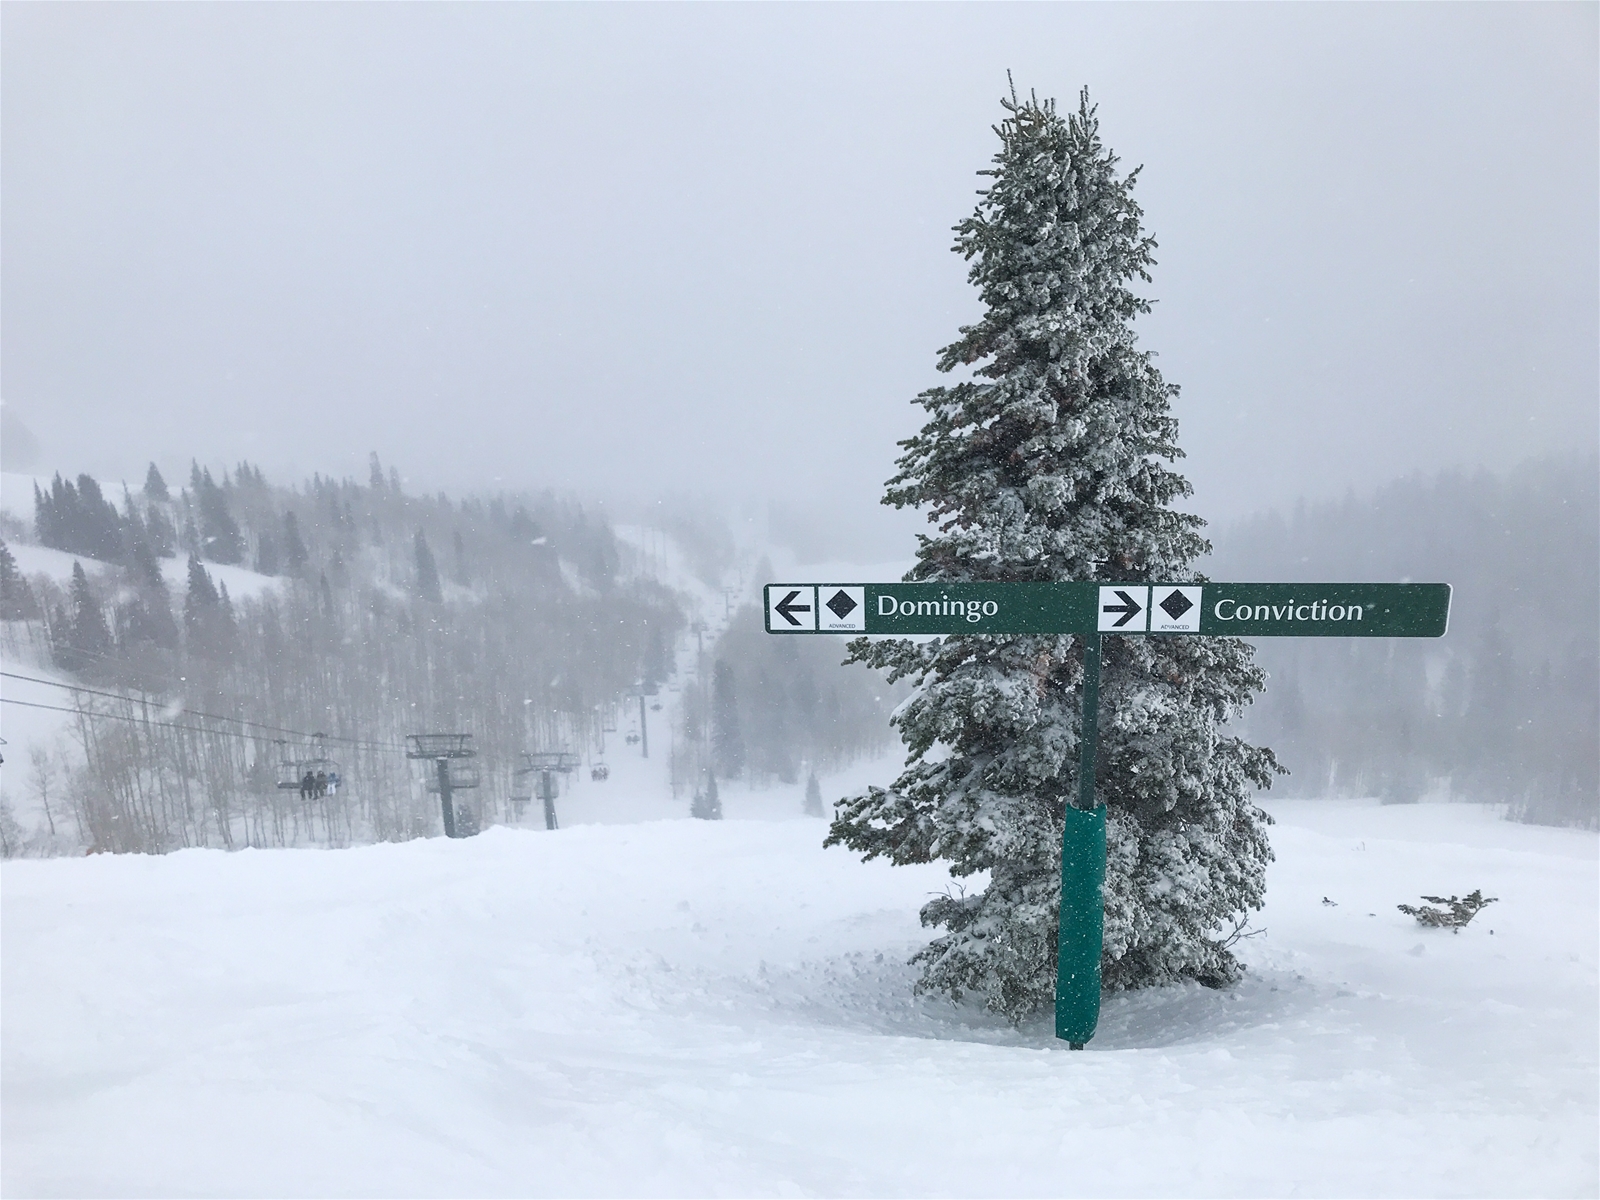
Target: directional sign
{"x":1092,"y":610}
{"x":1204,"y":609}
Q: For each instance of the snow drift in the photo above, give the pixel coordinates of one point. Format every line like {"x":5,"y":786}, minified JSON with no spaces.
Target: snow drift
{"x":723,"y":1008}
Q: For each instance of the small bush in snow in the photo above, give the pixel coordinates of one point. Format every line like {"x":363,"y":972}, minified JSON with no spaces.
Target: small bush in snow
{"x":1454,"y":913}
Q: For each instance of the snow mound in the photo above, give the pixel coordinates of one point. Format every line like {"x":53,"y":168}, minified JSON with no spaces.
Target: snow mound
{"x":723,"y":1008}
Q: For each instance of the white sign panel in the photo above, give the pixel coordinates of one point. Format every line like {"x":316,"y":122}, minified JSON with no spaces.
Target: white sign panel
{"x":1124,"y":609}
{"x":791,"y":608}
{"x":843,"y":609}
{"x":1174,"y":609}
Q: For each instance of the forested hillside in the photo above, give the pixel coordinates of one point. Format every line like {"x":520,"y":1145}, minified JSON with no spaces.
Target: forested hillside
{"x":776,"y":709}
{"x":1507,"y":706}
{"x":365,"y":613}
{"x":520,"y":620}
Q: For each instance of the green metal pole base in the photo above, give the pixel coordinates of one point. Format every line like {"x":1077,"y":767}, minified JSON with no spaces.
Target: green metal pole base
{"x":1081,"y":934}
{"x":1082,"y":931}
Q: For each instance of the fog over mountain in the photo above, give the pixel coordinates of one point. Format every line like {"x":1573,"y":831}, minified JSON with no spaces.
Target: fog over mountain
{"x":628,"y":250}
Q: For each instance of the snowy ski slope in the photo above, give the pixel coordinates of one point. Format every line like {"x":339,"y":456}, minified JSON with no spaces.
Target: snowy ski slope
{"x":684,"y":1008}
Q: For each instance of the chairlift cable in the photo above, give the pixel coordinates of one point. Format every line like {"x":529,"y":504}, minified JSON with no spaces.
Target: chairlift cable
{"x":105,"y":716}
{"x":90,"y":712}
{"x":300,"y":733}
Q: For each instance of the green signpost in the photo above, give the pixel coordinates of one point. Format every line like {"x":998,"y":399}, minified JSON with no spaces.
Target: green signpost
{"x":1089,"y":610}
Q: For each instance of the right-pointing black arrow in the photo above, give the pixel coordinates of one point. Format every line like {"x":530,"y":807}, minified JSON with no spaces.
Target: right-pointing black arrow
{"x":786,"y":608}
{"x":1129,"y":608}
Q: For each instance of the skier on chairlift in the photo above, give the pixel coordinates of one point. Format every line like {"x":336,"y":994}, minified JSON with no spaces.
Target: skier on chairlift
{"x":308,"y":784}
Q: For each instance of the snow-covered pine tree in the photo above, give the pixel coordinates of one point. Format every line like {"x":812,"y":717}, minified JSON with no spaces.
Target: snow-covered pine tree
{"x":17,"y":601}
{"x":295,"y":555}
{"x":87,"y":644}
{"x":1049,"y":466}
{"x":155,"y":487}
{"x":427,"y":571}
{"x":707,"y":804}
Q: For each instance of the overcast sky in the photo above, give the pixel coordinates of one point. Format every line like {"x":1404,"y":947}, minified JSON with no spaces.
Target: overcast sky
{"x":632,"y":250}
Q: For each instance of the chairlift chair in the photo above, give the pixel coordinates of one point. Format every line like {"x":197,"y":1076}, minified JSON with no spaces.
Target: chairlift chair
{"x":292,"y":770}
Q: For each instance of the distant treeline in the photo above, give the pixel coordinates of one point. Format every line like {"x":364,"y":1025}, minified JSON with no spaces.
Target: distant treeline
{"x":1506,"y":707}
{"x":512,"y":619}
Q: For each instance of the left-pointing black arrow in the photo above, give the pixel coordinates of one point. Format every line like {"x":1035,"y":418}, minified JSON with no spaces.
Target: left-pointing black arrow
{"x":1129,"y":608}
{"x":786,"y":608}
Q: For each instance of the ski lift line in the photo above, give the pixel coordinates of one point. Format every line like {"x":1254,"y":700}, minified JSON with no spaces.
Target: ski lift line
{"x":72,"y":687}
{"x":105,"y":716}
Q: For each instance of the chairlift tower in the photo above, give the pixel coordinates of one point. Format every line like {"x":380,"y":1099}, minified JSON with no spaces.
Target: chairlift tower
{"x":445,"y":750}
{"x":547,"y":764}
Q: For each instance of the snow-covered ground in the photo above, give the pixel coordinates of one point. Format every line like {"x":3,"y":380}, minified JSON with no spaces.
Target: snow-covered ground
{"x":241,"y":582}
{"x":722,"y":1008}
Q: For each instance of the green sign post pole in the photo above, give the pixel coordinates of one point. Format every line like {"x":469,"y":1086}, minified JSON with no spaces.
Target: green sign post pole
{"x":1090,"y":610}
{"x":1081,"y":931}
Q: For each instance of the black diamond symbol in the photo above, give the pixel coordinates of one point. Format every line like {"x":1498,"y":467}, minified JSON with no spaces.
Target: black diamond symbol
{"x":1176,"y":605}
{"x":841,"y":604}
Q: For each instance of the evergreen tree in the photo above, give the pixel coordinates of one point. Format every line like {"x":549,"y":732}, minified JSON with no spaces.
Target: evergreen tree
{"x":79,"y":520}
{"x":295,"y":556}
{"x":813,"y":806}
{"x":44,"y":515}
{"x":427,"y":572}
{"x":134,"y":530}
{"x":200,"y":598}
{"x":374,"y":472}
{"x":159,"y":528}
{"x":707,"y":804}
{"x":227,"y":627}
{"x":191,"y":532}
{"x":1049,"y":466}
{"x":267,"y":554}
{"x":207,"y":619}
{"x":99,"y":532}
{"x":155,"y":487}
{"x":147,"y":617}
{"x":220,"y":539}
{"x":727,"y":743}
{"x":462,"y":577}
{"x":17,"y":601}
{"x":87,"y":637}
